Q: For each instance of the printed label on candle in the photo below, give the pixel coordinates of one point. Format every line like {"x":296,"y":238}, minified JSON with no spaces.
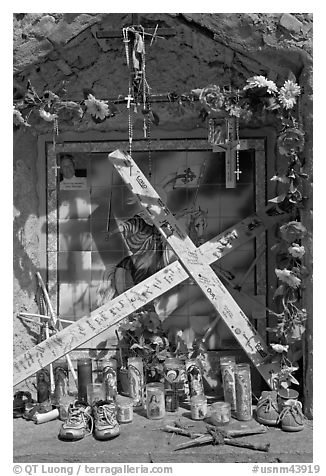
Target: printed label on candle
{"x":135,"y":385}
{"x":110,"y":382}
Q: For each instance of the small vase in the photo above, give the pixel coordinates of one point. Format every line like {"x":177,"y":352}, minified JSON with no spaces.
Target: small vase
{"x":286,"y":394}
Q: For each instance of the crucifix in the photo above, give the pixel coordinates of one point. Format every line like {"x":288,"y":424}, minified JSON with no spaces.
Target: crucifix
{"x":237,"y":172}
{"x":230,"y":147}
{"x":195,"y":264}
{"x":56,"y":168}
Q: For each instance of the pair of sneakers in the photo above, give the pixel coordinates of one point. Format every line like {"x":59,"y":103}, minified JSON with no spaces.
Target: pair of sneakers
{"x":290,"y":417}
{"x":83,"y":420}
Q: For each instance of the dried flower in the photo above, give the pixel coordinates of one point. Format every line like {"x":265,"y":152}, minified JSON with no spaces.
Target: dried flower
{"x":261,"y":82}
{"x":288,"y":94}
{"x":296,"y":250}
{"x":288,"y":277}
{"x":290,"y":141}
{"x":279,"y":348}
{"x":97,"y":108}
{"x":47,"y":116}
{"x":212,"y":98}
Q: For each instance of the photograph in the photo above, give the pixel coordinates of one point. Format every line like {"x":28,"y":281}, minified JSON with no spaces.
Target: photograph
{"x":162,"y":242}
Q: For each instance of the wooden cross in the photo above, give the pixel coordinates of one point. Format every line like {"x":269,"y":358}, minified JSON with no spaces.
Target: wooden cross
{"x":230,"y":159}
{"x":29,"y":362}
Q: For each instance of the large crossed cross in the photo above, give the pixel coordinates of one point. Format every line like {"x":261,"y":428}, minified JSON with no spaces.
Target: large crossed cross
{"x":192,"y":262}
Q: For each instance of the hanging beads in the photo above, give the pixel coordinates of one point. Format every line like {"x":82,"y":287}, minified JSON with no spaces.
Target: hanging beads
{"x":126,"y":42}
{"x":237,"y":126}
{"x":55,"y":130}
{"x":130,"y":130}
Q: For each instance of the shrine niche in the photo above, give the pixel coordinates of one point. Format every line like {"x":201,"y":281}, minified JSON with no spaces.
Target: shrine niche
{"x":209,"y":150}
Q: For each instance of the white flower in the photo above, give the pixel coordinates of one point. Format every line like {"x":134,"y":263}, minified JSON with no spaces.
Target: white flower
{"x":279,"y":348}
{"x":19,"y":119}
{"x":280,"y":178}
{"x":261,"y":82}
{"x":288,"y":277}
{"x":296,"y":250}
{"x":47,"y":116}
{"x":97,"y":108}
{"x":288,"y":93}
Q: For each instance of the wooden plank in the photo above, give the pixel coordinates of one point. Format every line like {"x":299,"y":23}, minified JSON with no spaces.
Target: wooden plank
{"x":29,"y":362}
{"x":194,"y":261}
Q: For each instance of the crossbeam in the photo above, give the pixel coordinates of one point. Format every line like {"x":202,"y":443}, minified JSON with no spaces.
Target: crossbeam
{"x":166,"y":32}
{"x":108,"y":315}
{"x":193,"y":259}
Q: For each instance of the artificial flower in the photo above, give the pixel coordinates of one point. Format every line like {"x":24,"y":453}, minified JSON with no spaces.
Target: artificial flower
{"x":97,"y":108}
{"x":292,"y":231}
{"x":50,"y":97}
{"x":19,"y":120}
{"x":290,"y":141}
{"x":47,"y":116}
{"x":279,"y":348}
{"x":234,"y":110}
{"x":261,"y":82}
{"x":280,"y":178}
{"x":212,"y":98}
{"x":288,"y":277}
{"x":296,"y":250}
{"x":69,"y":110}
{"x":288,"y":94}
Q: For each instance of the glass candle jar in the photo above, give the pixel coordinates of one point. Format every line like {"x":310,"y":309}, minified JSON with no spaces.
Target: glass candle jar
{"x":172,"y":398}
{"x":155,"y":404}
{"x":198,"y":406}
{"x":84,"y":375}
{"x":243,"y":392}
{"x":227,"y":366}
{"x":61,"y":380}
{"x":123,"y":381}
{"x":124,"y":409}
{"x":175,"y":372}
{"x":95,"y":392}
{"x":109,"y":372}
{"x":221,"y":412}
{"x":136,"y":380}
{"x":194,"y":376}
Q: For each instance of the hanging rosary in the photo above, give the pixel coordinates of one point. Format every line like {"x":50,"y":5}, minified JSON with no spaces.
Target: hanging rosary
{"x":237,"y":127}
{"x":138,"y":90}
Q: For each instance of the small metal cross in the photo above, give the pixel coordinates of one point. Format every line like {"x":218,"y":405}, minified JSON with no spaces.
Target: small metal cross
{"x":237,"y":172}
{"x":56,"y":168}
{"x":129,"y":98}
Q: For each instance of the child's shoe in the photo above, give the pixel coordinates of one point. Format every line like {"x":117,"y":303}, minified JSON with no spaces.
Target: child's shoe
{"x":267,"y":408}
{"x":291,"y":417}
